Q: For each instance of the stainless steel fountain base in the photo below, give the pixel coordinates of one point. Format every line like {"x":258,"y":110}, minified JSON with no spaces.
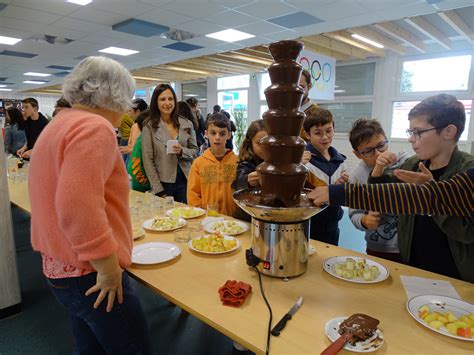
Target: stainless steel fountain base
{"x":283,"y":248}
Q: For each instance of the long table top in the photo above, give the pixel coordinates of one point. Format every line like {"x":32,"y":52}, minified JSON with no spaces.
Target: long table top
{"x":191,"y":281}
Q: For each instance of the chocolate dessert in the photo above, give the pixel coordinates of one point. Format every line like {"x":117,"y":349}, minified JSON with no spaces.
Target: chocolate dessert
{"x":361,"y":326}
{"x":282,"y":175}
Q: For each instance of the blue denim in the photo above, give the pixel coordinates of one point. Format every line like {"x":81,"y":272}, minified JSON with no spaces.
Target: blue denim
{"x":121,"y":331}
{"x":177,"y":189}
{"x":126,"y":157}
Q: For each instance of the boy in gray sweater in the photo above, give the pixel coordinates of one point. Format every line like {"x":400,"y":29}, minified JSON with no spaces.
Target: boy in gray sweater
{"x":368,"y":140}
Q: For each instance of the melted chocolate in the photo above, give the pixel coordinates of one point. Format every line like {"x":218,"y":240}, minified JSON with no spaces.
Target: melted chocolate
{"x":361,"y":326}
{"x":281,"y":175}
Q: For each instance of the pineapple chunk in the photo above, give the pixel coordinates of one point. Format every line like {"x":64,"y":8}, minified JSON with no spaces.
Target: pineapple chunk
{"x":436,"y":324}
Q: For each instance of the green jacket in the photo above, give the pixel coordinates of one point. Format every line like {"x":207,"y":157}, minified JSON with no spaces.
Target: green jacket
{"x":460,"y":230}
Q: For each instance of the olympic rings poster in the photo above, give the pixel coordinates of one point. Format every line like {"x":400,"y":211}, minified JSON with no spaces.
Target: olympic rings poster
{"x":323,"y":74}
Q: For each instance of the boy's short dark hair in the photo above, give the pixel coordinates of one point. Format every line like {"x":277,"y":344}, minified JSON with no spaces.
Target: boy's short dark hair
{"x":192,"y":101}
{"x":32,"y":101}
{"x":363,"y":130}
{"x":441,"y":110}
{"x":62,"y":102}
{"x":219,"y":120}
{"x":216,"y":108}
{"x":317,"y":117}
{"x":140,"y":105}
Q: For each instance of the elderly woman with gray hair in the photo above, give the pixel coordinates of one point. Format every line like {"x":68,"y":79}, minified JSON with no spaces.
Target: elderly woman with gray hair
{"x":80,"y":222}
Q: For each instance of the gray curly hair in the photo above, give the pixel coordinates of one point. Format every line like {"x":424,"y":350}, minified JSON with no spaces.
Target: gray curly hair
{"x":100,"y":82}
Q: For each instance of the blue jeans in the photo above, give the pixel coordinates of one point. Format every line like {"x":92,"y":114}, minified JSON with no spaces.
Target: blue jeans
{"x":126,"y":157}
{"x":178,"y":188}
{"x":121,"y":331}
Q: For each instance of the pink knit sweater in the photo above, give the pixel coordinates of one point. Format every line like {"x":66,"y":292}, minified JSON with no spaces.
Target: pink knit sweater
{"x":79,"y":192}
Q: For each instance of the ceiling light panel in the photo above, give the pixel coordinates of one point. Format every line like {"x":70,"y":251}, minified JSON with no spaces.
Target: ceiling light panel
{"x":230,"y":35}
{"x":366,"y":40}
{"x":9,"y":40}
{"x":80,"y":2}
{"x":37,"y":82}
{"x":30,"y":73}
{"x":118,"y":51}
{"x":2,"y":89}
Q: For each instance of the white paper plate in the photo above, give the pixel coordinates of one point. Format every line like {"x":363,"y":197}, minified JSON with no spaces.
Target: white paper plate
{"x":154,"y":253}
{"x":440,"y":304}
{"x":209,"y":227}
{"x":200,"y":210}
{"x":147,"y":224}
{"x":328,"y":266}
{"x":138,"y":232}
{"x":190,"y":245}
{"x":372,"y":344}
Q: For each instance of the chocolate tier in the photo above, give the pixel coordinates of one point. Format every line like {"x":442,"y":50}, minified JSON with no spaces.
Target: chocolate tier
{"x":361,"y":326}
{"x":282,"y":175}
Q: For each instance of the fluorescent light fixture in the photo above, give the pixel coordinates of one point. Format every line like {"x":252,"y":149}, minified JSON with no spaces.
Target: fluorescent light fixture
{"x":34,"y":82}
{"x":3,"y":86}
{"x":191,"y":95}
{"x":339,"y":91}
{"x":30,"y":73}
{"x":366,"y":40}
{"x":9,"y":40}
{"x":80,"y":2}
{"x":202,"y":99}
{"x":187,"y":70}
{"x":1,"y":89}
{"x":118,"y":51}
{"x":251,"y":59}
{"x":230,"y":35}
{"x":146,"y":78}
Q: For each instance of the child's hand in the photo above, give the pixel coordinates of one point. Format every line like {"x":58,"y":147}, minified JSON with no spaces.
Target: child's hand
{"x":343,"y":178}
{"x":371,"y":221}
{"x":252,"y":179}
{"x":319,"y":196}
{"x":384,"y":160}
{"x":413,"y":176}
{"x":306,"y":157}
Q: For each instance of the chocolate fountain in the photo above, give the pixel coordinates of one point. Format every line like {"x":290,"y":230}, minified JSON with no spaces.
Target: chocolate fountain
{"x":279,"y":208}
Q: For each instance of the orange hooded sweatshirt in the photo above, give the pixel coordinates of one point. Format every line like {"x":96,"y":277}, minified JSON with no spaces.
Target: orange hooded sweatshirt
{"x":210,"y":181}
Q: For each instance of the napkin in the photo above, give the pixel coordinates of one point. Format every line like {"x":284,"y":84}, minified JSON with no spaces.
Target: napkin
{"x":234,"y":293}
{"x":415,"y":286}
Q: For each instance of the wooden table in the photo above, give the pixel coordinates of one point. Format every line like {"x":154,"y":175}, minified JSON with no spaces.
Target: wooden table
{"x":191,"y":281}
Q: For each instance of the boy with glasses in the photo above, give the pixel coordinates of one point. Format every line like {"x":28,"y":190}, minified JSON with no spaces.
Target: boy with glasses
{"x":440,"y":244}
{"x":326,"y":166}
{"x":368,"y":140}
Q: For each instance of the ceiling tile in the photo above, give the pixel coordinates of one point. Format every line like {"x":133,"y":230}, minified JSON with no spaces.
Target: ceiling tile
{"x":282,"y":35}
{"x":146,"y":43}
{"x":11,"y":53}
{"x":260,"y":28}
{"x":204,"y":41}
{"x":50,"y":6}
{"x":164,"y":17}
{"x":17,"y":24}
{"x":377,"y":5}
{"x":448,"y":5}
{"x":140,"y":28}
{"x":232,"y":3}
{"x":182,"y":46}
{"x":62,"y":32}
{"x":336,"y":9}
{"x":130,"y":8}
{"x":264,"y":10}
{"x":29,"y":15}
{"x":230,"y":18}
{"x":295,"y":20}
{"x":250,"y":42}
{"x":195,"y":9}
{"x":98,"y":16}
{"x":201,"y":27}
{"x":80,"y":25}
{"x":228,"y":47}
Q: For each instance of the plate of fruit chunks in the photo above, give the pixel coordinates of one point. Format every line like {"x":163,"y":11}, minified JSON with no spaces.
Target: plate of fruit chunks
{"x":355,"y":269}
{"x":186,"y":212}
{"x":164,"y":224}
{"x":226,"y":227}
{"x":445,"y":315}
{"x":215,"y":243}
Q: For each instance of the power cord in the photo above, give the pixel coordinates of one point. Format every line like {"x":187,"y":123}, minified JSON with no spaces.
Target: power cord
{"x":253,"y":261}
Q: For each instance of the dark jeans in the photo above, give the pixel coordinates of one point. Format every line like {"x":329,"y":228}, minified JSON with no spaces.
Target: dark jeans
{"x":121,"y":331}
{"x":126,"y":157}
{"x":178,"y":188}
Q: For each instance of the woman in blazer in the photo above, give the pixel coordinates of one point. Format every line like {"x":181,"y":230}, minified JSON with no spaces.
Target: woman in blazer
{"x":167,"y":171}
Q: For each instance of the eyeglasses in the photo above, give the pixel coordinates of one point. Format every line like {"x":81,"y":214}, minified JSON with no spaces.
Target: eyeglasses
{"x":328,"y":133}
{"x":368,"y":153}
{"x":417,"y":132}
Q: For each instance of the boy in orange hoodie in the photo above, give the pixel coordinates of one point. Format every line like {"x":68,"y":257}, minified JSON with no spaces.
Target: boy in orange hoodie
{"x":212,"y":174}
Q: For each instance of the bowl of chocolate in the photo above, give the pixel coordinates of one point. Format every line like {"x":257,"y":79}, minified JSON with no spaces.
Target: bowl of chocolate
{"x":358,"y":333}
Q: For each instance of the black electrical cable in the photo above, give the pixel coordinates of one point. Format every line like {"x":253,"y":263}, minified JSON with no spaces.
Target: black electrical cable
{"x":269,"y":310}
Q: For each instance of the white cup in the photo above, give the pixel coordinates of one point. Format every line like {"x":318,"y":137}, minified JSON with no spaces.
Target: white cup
{"x":169,"y":146}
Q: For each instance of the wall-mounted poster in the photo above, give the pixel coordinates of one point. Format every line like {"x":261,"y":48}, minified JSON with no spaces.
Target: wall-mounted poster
{"x":323,"y":74}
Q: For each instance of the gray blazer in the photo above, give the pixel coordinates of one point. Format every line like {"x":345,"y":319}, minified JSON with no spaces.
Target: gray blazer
{"x":162,"y":167}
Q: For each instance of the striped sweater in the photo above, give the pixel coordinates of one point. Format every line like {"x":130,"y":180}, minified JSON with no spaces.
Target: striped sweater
{"x":453,"y":197}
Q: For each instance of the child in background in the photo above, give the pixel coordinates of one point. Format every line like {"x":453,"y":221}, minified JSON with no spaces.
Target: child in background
{"x":327,"y":165}
{"x":368,"y":140}
{"x":440,"y":244}
{"x":212,"y":173}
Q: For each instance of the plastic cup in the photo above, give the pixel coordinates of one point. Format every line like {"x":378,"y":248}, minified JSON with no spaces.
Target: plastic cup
{"x":213,"y":209}
{"x":169,"y":146}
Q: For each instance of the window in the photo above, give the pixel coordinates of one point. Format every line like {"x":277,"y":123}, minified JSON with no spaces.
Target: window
{"x":264,"y":83}
{"x":197,"y":89}
{"x":400,"y":121}
{"x":436,"y":74}
{"x":345,"y":113}
{"x":233,"y":82}
{"x":355,"y":80}
{"x":263,"y":108}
